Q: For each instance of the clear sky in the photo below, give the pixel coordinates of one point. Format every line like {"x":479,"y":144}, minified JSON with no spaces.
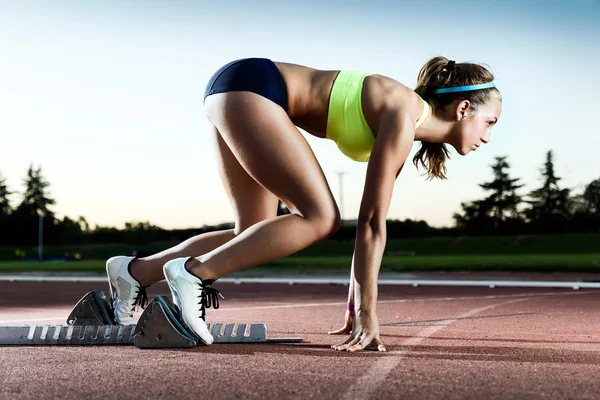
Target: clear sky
{"x":106,"y":96}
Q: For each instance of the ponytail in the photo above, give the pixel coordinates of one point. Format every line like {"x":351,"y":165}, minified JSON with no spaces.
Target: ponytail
{"x":437,"y":73}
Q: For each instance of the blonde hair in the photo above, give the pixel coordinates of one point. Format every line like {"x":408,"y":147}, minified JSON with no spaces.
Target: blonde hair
{"x":437,"y":73}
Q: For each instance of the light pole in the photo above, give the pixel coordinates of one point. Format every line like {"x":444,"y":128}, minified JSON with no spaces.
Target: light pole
{"x":341,"y":183}
{"x":40,"y":235}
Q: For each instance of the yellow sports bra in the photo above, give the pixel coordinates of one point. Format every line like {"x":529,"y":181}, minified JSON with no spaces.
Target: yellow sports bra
{"x":346,"y":124}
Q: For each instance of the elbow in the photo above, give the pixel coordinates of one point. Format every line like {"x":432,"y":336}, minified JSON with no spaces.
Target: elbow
{"x":372,"y":224}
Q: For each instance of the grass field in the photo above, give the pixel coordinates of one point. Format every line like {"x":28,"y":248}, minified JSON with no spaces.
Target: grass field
{"x":421,"y":247}
{"x":513,"y":263}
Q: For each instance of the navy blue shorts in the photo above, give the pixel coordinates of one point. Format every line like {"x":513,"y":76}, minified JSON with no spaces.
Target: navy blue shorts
{"x":256,"y":75}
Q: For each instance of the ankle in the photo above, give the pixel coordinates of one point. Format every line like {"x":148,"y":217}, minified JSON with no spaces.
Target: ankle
{"x":198,"y":269}
{"x":135,"y":269}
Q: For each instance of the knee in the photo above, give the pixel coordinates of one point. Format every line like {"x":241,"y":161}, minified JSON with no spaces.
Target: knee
{"x":328,"y":222}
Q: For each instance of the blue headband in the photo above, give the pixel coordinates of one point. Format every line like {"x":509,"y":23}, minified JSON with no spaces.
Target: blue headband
{"x":464,"y":88}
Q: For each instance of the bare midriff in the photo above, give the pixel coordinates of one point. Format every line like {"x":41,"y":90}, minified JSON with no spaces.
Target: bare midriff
{"x":308,"y":92}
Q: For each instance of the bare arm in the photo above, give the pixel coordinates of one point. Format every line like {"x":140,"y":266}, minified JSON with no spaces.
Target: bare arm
{"x":394,"y":141}
{"x":351,"y":286}
{"x":349,"y":315}
{"x":393,"y":144}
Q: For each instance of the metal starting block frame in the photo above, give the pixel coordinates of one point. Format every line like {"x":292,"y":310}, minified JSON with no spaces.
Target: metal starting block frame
{"x":30,"y":335}
{"x":92,"y":322}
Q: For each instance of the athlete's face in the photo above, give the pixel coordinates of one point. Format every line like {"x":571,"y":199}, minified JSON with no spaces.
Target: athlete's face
{"x":474,"y":127}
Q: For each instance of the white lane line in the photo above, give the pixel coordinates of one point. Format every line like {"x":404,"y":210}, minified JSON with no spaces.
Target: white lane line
{"x":366,"y":385}
{"x":501,"y":336}
{"x":330,"y":281}
{"x":337,"y":303}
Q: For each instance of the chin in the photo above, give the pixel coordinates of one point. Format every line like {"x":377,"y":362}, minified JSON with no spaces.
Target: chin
{"x":462,"y":151}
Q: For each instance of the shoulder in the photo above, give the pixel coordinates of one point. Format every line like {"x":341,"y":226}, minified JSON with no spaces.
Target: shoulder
{"x":384,"y":97}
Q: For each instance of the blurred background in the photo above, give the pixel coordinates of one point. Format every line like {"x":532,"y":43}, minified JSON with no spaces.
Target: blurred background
{"x":103,"y":131}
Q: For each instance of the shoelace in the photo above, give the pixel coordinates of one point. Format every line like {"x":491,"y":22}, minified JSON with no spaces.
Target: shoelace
{"x":141,"y":299}
{"x":209,"y":297}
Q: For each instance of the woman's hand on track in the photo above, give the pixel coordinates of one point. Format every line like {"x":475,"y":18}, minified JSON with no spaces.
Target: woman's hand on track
{"x":347,"y":328}
{"x":365,"y":334}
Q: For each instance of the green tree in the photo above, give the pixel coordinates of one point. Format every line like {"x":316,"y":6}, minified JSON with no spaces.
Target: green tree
{"x":503,"y":200}
{"x":550,"y":205}
{"x":25,"y":219}
{"x":68,"y":231}
{"x":498,"y":212}
{"x":585,"y":209}
{"x":35,"y":197}
{"x":475,"y":218}
{"x":142,"y":232}
{"x":591,"y":196}
{"x":5,"y":211}
{"x":83,"y":224}
{"x":5,"y":208}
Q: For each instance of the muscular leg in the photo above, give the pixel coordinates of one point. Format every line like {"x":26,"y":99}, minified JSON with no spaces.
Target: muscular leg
{"x":250,"y":202}
{"x":276,"y":155}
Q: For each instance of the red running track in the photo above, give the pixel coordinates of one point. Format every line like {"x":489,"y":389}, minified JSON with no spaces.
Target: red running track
{"x":443,"y":343}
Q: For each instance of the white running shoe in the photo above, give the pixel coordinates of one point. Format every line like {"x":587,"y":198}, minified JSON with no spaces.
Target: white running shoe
{"x":191,"y":296}
{"x":125,"y":291}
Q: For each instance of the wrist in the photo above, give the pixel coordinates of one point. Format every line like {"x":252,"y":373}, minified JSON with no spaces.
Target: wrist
{"x":350,"y":308}
{"x":366,"y":315}
{"x":367,"y":297}
{"x":368,"y":304}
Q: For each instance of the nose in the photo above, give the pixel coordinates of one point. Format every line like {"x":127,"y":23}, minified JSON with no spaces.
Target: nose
{"x":486,"y":138}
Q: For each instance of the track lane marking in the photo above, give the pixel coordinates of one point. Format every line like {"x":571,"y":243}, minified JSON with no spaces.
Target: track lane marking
{"x":365,"y":386}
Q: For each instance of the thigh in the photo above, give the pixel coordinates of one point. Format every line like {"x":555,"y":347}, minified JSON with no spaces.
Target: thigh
{"x":251,"y":202}
{"x":272,"y":151}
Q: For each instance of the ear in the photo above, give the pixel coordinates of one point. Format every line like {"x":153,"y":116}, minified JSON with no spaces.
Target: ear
{"x":462,"y":108}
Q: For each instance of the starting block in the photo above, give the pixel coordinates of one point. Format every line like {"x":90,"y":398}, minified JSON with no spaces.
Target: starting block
{"x":93,"y":309}
{"x":92,"y":322}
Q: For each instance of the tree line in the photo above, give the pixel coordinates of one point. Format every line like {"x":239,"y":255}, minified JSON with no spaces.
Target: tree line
{"x":548,"y":209}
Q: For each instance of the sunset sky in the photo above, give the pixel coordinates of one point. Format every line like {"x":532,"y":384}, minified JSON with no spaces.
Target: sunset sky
{"x":107,"y":96}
